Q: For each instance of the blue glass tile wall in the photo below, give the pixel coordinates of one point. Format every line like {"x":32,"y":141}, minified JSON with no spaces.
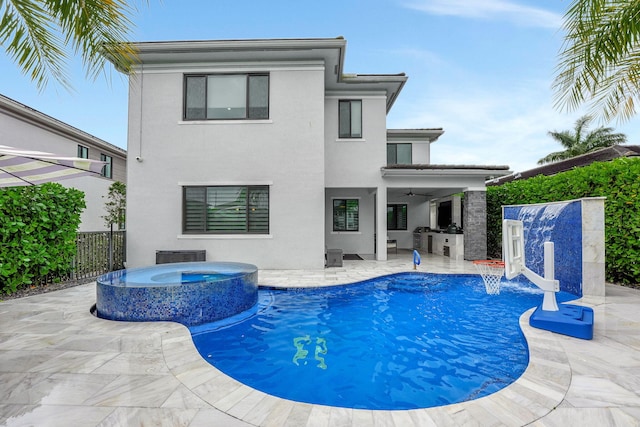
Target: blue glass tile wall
{"x":193,"y":302}
{"x":560,"y":223}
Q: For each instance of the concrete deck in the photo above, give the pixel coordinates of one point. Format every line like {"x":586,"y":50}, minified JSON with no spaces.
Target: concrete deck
{"x":61,"y":366}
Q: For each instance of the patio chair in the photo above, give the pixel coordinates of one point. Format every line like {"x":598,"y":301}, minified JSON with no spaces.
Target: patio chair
{"x":392,"y":244}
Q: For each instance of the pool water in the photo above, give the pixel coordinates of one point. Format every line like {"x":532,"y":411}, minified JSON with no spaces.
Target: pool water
{"x":406,"y":341}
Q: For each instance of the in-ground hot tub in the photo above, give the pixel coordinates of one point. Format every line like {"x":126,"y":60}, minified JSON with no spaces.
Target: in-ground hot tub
{"x":190,"y":293}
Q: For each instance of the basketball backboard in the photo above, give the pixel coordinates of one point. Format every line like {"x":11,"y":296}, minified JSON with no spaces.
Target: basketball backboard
{"x":513,"y":247}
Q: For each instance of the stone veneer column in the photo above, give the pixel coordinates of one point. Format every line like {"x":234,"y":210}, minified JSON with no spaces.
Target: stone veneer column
{"x":593,"y":248}
{"x":475,"y":225}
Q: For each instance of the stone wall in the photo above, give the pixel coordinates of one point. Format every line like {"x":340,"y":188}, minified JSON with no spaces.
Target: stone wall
{"x":475,"y":225}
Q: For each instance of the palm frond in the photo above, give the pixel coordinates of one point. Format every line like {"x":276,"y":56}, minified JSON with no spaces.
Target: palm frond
{"x":37,"y":34}
{"x":554,"y":157}
{"x":598,"y":63}
{"x":89,"y":25}
{"x":582,"y":141}
{"x":565,"y":138}
{"x":27,"y":32}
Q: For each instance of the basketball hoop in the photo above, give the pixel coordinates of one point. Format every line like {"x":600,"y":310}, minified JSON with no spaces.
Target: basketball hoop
{"x":491,"y":272}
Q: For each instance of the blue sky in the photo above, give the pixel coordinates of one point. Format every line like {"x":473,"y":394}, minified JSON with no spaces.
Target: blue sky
{"x":480,"y":69}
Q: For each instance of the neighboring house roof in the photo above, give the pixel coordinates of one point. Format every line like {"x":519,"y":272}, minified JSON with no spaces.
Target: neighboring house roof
{"x":328,"y":52}
{"x":602,"y":155}
{"x":36,"y":118}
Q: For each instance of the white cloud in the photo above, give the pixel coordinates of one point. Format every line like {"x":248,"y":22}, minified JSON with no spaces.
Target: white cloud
{"x":490,"y":10}
{"x":488,"y":127}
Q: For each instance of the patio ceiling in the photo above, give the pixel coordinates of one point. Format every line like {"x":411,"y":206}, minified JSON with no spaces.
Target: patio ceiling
{"x":435,"y":181}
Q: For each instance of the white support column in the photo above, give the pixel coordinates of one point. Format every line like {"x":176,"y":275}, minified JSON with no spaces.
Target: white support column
{"x":381,"y":227}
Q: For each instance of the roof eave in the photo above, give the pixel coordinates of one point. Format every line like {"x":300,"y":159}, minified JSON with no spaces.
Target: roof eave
{"x":444,"y":170}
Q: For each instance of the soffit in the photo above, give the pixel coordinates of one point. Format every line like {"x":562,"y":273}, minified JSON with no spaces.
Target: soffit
{"x":461,"y":171}
{"x":329,"y":52}
{"x":414,"y":135}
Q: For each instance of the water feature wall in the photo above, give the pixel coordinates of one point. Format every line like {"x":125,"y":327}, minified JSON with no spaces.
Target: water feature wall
{"x":576,"y":227}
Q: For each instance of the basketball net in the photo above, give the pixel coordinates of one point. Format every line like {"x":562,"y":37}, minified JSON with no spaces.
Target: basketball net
{"x":491,"y":272}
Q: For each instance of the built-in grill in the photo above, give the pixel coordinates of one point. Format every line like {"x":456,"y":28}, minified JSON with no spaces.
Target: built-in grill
{"x":417,"y":237}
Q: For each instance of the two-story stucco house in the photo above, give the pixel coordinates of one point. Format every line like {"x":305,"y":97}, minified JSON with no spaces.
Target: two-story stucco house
{"x":267,"y":152}
{"x":26,"y":128}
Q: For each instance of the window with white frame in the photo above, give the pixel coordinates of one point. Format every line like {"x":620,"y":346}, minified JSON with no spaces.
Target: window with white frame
{"x":350,"y":118}
{"x":399,"y":154}
{"x":345,"y":214}
{"x":225,"y":209}
{"x":107,"y":169}
{"x":226,"y":96}
{"x":397,"y":217}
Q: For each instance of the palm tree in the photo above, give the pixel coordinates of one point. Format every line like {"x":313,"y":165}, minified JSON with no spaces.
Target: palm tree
{"x":580,"y":141}
{"x":598,"y":63}
{"x":37,"y":33}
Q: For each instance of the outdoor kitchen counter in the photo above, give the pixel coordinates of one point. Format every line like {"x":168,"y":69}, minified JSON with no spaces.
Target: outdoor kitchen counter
{"x":445,"y":244}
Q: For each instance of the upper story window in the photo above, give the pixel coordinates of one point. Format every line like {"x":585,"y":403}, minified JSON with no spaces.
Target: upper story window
{"x":350,"y":118}
{"x":226,"y":97}
{"x":345,"y":214}
{"x":83,"y":152}
{"x":225,"y":209}
{"x":399,"y":154}
{"x":397,"y":217}
{"x":107,"y":169}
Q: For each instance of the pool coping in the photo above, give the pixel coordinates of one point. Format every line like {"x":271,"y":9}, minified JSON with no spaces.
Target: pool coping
{"x":63,"y":366}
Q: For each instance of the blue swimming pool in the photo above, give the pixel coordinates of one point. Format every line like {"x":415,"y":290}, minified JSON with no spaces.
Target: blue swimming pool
{"x":405,"y":341}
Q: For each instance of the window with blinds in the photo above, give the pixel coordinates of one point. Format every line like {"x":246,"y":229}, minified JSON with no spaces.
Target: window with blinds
{"x":345,"y":215}
{"x":397,"y":217}
{"x":226,"y":210}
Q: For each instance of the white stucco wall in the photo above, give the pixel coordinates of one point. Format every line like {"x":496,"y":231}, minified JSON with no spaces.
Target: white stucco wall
{"x":418,"y":216}
{"x":352,"y":242}
{"x":356,"y":162}
{"x":95,"y":191}
{"x":285,"y":152}
{"x":421,"y":153}
{"x":353,"y":171}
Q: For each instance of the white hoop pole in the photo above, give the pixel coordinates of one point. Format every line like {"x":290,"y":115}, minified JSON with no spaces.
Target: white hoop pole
{"x":549,"y":302}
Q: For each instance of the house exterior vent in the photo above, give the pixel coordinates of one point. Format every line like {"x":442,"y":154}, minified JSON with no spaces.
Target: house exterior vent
{"x":167,"y":257}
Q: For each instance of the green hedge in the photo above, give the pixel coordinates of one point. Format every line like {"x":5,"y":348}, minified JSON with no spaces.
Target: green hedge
{"x":617,"y":180}
{"x":37,"y":233}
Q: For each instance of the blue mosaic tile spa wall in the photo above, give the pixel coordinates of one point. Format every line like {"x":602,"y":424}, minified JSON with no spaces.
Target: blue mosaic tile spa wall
{"x":560,"y":223}
{"x":187,"y":293}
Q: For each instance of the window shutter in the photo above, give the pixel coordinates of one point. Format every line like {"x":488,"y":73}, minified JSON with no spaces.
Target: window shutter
{"x":402,"y":217}
{"x":194,"y":208}
{"x":227,"y":209}
{"x":258,"y":215}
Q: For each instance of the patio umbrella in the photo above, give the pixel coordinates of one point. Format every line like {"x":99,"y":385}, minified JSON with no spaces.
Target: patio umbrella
{"x":20,"y":167}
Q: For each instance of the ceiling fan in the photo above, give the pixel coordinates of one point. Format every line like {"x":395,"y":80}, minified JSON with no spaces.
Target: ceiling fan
{"x":411,"y":194}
